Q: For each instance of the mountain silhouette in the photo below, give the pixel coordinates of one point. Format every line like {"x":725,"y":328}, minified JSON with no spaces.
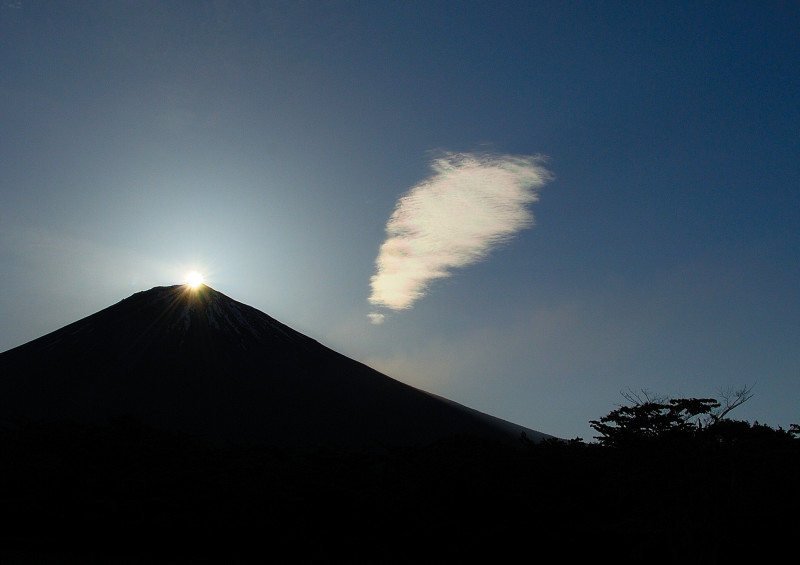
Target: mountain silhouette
{"x":196,"y":361}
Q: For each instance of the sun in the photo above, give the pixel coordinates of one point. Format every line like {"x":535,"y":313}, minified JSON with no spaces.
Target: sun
{"x":194,"y":280}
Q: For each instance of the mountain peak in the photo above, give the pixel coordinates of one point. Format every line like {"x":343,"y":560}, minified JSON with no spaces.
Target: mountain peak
{"x":194,"y":360}
{"x":205,"y":314}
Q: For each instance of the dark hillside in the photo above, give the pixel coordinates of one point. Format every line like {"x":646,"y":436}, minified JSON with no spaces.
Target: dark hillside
{"x":185,"y":427}
{"x":198,"y":362}
{"x":130,"y":494}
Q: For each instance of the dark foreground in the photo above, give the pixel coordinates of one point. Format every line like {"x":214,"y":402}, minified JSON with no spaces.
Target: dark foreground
{"x":128,"y":494}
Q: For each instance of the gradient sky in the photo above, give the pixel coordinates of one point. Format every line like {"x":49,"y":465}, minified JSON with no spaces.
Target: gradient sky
{"x":525,"y":207}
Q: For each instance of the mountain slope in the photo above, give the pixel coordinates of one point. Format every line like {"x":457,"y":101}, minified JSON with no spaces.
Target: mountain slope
{"x":197,"y":361}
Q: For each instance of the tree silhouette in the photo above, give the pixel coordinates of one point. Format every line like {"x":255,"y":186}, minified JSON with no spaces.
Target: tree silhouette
{"x":632,"y":425}
{"x":650,"y":417}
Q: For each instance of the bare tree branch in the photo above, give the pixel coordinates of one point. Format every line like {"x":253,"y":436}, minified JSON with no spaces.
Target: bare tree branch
{"x":732,"y":398}
{"x":643,"y":396}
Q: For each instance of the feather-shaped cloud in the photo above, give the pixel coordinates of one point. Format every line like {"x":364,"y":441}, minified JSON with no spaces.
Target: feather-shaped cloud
{"x":470,"y":205}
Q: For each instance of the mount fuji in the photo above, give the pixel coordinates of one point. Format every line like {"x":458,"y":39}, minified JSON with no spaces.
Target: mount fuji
{"x":196,"y":361}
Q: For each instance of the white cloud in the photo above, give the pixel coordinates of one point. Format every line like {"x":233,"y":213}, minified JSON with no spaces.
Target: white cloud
{"x":376,"y":317}
{"x":470,"y":205}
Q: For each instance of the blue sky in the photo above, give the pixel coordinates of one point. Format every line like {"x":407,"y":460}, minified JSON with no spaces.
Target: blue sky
{"x":269,"y":145}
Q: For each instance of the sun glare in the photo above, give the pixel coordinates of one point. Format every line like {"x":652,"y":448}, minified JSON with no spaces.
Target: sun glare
{"x":194,"y":280}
